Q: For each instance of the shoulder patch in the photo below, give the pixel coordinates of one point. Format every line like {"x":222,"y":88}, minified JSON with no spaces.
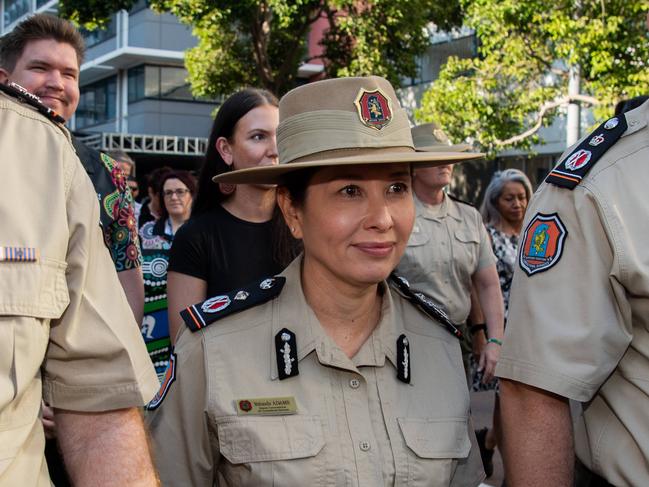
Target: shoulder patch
{"x":16,"y":91}
{"x":165,"y":385}
{"x":542,"y":244}
{"x":424,"y":303}
{"x":201,"y":315}
{"x":570,"y":172}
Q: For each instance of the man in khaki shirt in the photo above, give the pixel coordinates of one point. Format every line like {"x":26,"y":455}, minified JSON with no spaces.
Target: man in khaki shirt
{"x":211,"y":428}
{"x":66,"y":331}
{"x":578,"y":324}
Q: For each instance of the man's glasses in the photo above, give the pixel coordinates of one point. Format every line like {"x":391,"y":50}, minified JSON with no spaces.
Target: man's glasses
{"x":180,"y":192}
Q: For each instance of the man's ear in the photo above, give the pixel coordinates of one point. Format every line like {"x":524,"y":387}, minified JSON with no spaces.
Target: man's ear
{"x":4,"y":75}
{"x":292,"y":213}
{"x":224,"y":149}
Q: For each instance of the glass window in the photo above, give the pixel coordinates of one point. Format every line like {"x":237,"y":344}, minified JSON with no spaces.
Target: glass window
{"x":40,"y":3}
{"x":158,"y":82}
{"x":139,"y":5}
{"x":97,"y":103}
{"x":96,"y":36}
{"x":14,"y":9}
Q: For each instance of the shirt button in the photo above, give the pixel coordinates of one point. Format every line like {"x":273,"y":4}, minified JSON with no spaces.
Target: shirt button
{"x":354,"y":383}
{"x":364,"y":445}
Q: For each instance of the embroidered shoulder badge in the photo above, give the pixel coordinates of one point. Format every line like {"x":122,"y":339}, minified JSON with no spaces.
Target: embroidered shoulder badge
{"x":374,"y":108}
{"x":165,"y":385}
{"x":572,"y":169}
{"x":543,"y":242}
{"x":198,"y":316}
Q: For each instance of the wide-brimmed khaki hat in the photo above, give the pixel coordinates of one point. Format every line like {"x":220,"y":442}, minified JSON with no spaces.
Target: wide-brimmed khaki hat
{"x":342,"y":122}
{"x":429,"y":137}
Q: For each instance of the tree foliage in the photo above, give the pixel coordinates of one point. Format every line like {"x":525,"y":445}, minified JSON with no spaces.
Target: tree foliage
{"x":263,"y":43}
{"x":519,"y":80}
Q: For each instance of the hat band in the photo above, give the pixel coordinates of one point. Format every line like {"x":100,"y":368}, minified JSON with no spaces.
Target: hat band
{"x":315,"y":132}
{"x":336,"y":153}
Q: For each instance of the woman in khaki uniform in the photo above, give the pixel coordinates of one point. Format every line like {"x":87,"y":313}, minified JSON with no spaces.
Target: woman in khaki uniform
{"x":326,"y":374}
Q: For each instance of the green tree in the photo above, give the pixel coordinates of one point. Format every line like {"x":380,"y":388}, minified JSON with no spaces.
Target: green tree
{"x":263,"y":43}
{"x":527,"y":51}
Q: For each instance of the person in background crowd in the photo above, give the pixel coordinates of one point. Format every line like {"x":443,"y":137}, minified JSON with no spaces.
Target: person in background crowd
{"x":228,"y":241}
{"x":134,"y":186}
{"x":503,"y":209}
{"x":449,"y":253}
{"x":150,"y":209}
{"x":67,"y":333}
{"x":127,"y":165}
{"x":43,"y":54}
{"x":578,"y":322}
{"x":324,"y":375}
{"x":176,"y":196}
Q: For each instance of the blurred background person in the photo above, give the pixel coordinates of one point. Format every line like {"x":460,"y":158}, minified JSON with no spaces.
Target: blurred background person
{"x":503,"y":209}
{"x":228,"y":241}
{"x":175,"y":202}
{"x":449,"y":252}
{"x":150,"y":210}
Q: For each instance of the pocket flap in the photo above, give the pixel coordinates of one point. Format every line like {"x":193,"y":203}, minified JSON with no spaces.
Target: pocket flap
{"x":466,"y":236}
{"x":37,"y":289}
{"x":436,"y":437}
{"x":418,"y":236}
{"x":248,"y":440}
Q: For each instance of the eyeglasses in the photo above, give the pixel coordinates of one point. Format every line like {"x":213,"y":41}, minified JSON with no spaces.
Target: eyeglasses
{"x":180,"y":192}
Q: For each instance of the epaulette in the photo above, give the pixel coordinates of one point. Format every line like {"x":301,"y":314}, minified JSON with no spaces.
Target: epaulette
{"x":570,"y":172}
{"x":424,"y":303}
{"x":16,"y":91}
{"x":455,"y":198}
{"x":201,"y":315}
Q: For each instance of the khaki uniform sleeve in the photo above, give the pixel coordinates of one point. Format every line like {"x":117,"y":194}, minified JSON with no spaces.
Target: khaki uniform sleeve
{"x":569,"y":326}
{"x":183,"y":440}
{"x":96,"y":359}
{"x":486,"y":254}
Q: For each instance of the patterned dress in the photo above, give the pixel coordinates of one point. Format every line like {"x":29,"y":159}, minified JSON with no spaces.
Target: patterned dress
{"x":505,"y":249}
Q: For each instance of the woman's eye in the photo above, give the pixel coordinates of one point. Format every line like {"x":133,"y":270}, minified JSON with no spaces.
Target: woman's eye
{"x":257,"y":137}
{"x":398,"y":188}
{"x":351,"y":191}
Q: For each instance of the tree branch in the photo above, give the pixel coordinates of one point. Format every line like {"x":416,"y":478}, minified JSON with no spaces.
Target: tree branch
{"x":564,"y":100}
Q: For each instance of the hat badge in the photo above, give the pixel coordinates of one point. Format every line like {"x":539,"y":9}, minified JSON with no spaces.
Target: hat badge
{"x":374,"y":108}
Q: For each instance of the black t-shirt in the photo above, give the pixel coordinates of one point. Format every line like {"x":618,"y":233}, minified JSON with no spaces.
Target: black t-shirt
{"x":223,"y":250}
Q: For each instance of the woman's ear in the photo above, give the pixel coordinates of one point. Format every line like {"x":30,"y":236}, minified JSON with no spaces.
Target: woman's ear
{"x":292,"y":214}
{"x":224,"y":149}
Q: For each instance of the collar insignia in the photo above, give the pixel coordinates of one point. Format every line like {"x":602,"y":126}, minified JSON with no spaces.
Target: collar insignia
{"x":286,"y":354}
{"x":403,"y":359}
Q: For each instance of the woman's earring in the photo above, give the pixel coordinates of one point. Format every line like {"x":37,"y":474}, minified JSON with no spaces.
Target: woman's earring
{"x":227,"y":189}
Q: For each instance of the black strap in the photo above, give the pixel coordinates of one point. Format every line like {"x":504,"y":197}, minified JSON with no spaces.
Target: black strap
{"x":16,"y":91}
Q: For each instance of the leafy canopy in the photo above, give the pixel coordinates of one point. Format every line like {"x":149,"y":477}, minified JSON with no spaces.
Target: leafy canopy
{"x":263,"y":43}
{"x":519,"y":81}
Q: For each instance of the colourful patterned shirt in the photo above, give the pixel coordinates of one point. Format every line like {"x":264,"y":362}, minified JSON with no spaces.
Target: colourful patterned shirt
{"x":117,"y":214}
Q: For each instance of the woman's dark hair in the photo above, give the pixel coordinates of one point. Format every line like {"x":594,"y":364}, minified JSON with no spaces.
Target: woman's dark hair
{"x":232,"y":110}
{"x":185,"y":177}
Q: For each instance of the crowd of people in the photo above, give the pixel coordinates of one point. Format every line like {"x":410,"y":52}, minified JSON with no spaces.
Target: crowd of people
{"x":315,"y":307}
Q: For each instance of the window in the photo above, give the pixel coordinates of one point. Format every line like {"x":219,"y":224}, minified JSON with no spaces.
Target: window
{"x":40,"y":3}
{"x":97,"y":103}
{"x":97,"y":36}
{"x":159,"y":82}
{"x":14,"y":9}
{"x":139,"y":5}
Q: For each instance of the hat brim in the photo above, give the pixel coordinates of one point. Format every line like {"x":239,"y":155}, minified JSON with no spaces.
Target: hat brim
{"x":275,"y":174}
{"x":444,"y":148}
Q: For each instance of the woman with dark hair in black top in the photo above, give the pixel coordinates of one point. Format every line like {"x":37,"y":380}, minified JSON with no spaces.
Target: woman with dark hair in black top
{"x":228,"y":240}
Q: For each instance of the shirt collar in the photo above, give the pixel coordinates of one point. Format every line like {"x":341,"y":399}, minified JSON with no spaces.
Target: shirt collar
{"x":448,"y":207}
{"x":292,"y":311}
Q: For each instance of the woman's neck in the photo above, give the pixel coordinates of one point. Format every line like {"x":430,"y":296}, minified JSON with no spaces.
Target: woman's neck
{"x":251,"y":203}
{"x":510,"y":228}
{"x":348,"y":313}
{"x":176,"y":222}
{"x":427,"y":194}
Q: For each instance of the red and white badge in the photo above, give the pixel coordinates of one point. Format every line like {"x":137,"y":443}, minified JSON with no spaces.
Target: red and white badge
{"x":215,"y":304}
{"x":374,"y":108}
{"x":578,"y":160}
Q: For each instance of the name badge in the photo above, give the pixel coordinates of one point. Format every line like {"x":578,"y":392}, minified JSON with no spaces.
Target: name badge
{"x":266,"y":406}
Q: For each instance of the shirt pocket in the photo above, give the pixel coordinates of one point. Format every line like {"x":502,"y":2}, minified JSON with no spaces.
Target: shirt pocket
{"x":277,"y":450}
{"x":433,"y":448}
{"x":466,"y":248}
{"x":31,"y":294}
{"x":419,"y":257}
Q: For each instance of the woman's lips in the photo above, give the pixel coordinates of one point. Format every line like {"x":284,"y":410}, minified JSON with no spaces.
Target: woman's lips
{"x":376,"y":249}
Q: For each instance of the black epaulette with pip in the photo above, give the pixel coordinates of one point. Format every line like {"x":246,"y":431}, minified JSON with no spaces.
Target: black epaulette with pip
{"x":424,"y":303}
{"x":21,"y":94}
{"x":570,"y":172}
{"x":201,"y":315}
{"x":455,"y":198}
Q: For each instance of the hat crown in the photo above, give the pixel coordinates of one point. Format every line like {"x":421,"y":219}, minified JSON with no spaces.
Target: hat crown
{"x":345,"y":115}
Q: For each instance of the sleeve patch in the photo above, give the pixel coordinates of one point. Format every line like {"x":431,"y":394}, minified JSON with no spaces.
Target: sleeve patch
{"x":543,"y":243}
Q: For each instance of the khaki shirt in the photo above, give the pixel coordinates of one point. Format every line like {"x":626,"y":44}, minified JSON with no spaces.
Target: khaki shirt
{"x":448,"y":244}
{"x":356,"y":424}
{"x":66,"y":331}
{"x":580,"y":328}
